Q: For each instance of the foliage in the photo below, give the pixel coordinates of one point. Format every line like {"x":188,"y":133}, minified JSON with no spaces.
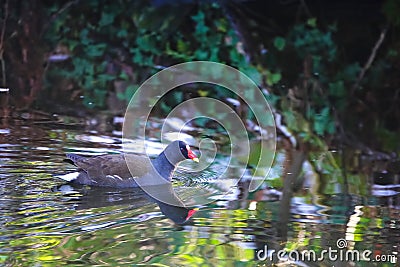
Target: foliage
{"x":305,"y":70}
{"x":318,"y":83}
{"x":127,"y":41}
{"x":391,"y":9}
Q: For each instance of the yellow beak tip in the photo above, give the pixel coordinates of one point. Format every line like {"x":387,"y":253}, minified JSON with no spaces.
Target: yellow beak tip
{"x":196,"y":160}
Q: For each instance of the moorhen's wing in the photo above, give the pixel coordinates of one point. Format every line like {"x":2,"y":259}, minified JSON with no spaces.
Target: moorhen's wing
{"x":110,"y":170}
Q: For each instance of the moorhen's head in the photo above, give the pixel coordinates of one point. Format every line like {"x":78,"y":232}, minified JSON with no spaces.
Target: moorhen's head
{"x":179,"y":215}
{"x":178,"y":151}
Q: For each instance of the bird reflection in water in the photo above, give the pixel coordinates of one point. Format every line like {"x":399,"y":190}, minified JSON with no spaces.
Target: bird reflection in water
{"x":96,"y":197}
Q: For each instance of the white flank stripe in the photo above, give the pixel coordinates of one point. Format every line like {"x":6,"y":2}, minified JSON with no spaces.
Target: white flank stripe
{"x":114,"y":177}
{"x":69,"y":176}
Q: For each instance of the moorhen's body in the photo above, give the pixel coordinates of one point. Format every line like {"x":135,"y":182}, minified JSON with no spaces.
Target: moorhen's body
{"x":113,"y":170}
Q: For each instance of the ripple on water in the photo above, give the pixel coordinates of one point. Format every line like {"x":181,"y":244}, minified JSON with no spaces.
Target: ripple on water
{"x":44,"y":225}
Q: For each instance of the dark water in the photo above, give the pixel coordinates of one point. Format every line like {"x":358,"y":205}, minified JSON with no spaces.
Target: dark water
{"x":44,"y":223}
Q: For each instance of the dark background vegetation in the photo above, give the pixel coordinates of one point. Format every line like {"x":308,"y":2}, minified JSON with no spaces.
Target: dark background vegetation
{"x":331,"y":68}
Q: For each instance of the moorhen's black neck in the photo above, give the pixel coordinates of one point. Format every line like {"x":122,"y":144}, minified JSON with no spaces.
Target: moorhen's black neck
{"x":164,"y":167}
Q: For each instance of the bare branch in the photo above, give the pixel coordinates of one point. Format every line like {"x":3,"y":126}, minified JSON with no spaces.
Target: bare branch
{"x":3,"y":31}
{"x":57,"y":14}
{"x":370,"y":60}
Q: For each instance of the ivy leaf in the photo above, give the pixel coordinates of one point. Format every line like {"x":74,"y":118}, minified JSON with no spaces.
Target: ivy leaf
{"x":337,"y":89}
{"x":122,"y":33}
{"x":84,"y":39}
{"x":178,"y":96}
{"x":279,"y":43}
{"x":253,"y":74}
{"x":203,"y":93}
{"x":106,"y":19}
{"x":121,"y":96}
{"x":312,"y":22}
{"x":137,"y":57}
{"x":130,"y":91}
{"x":201,"y":54}
{"x":273,"y":78}
{"x":96,"y":50}
{"x":323,"y":122}
{"x":123,"y":76}
{"x":181,"y":46}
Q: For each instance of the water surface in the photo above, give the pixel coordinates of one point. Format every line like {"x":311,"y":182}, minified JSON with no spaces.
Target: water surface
{"x":45,"y":223}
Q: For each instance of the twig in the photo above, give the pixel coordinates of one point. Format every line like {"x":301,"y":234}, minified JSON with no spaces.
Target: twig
{"x":370,"y":60}
{"x":3,"y":31}
{"x":58,"y":13}
{"x":238,"y":27}
{"x":303,"y":7}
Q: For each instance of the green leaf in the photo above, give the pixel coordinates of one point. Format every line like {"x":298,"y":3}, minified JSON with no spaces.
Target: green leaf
{"x":392,"y":53}
{"x":84,"y":37}
{"x":253,"y":74}
{"x":331,"y":128}
{"x":337,"y":89}
{"x":106,"y":19}
{"x":276,"y":77}
{"x":323,"y":122}
{"x":137,"y":57}
{"x":201,"y":54}
{"x":181,"y":46}
{"x":312,"y":22}
{"x":319,"y":127}
{"x":291,"y":120}
{"x":121,"y":96}
{"x":178,"y":96}
{"x":122,"y":33}
{"x":130,"y":90}
{"x":146,"y":43}
{"x":273,"y":78}
{"x":105,"y":77}
{"x":123,"y":76}
{"x":99,"y":96}
{"x":350,"y":72}
{"x":279,"y":43}
{"x":96,"y":50}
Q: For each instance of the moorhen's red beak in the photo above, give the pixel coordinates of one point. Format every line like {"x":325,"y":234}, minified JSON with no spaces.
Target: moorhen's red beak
{"x":191,"y":213}
{"x":191,"y":155}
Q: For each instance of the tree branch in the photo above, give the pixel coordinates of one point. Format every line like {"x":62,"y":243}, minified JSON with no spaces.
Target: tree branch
{"x":3,"y":31}
{"x":57,"y":14}
{"x":369,"y":61}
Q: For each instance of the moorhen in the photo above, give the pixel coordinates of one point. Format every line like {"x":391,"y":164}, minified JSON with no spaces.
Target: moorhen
{"x":112,"y":170}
